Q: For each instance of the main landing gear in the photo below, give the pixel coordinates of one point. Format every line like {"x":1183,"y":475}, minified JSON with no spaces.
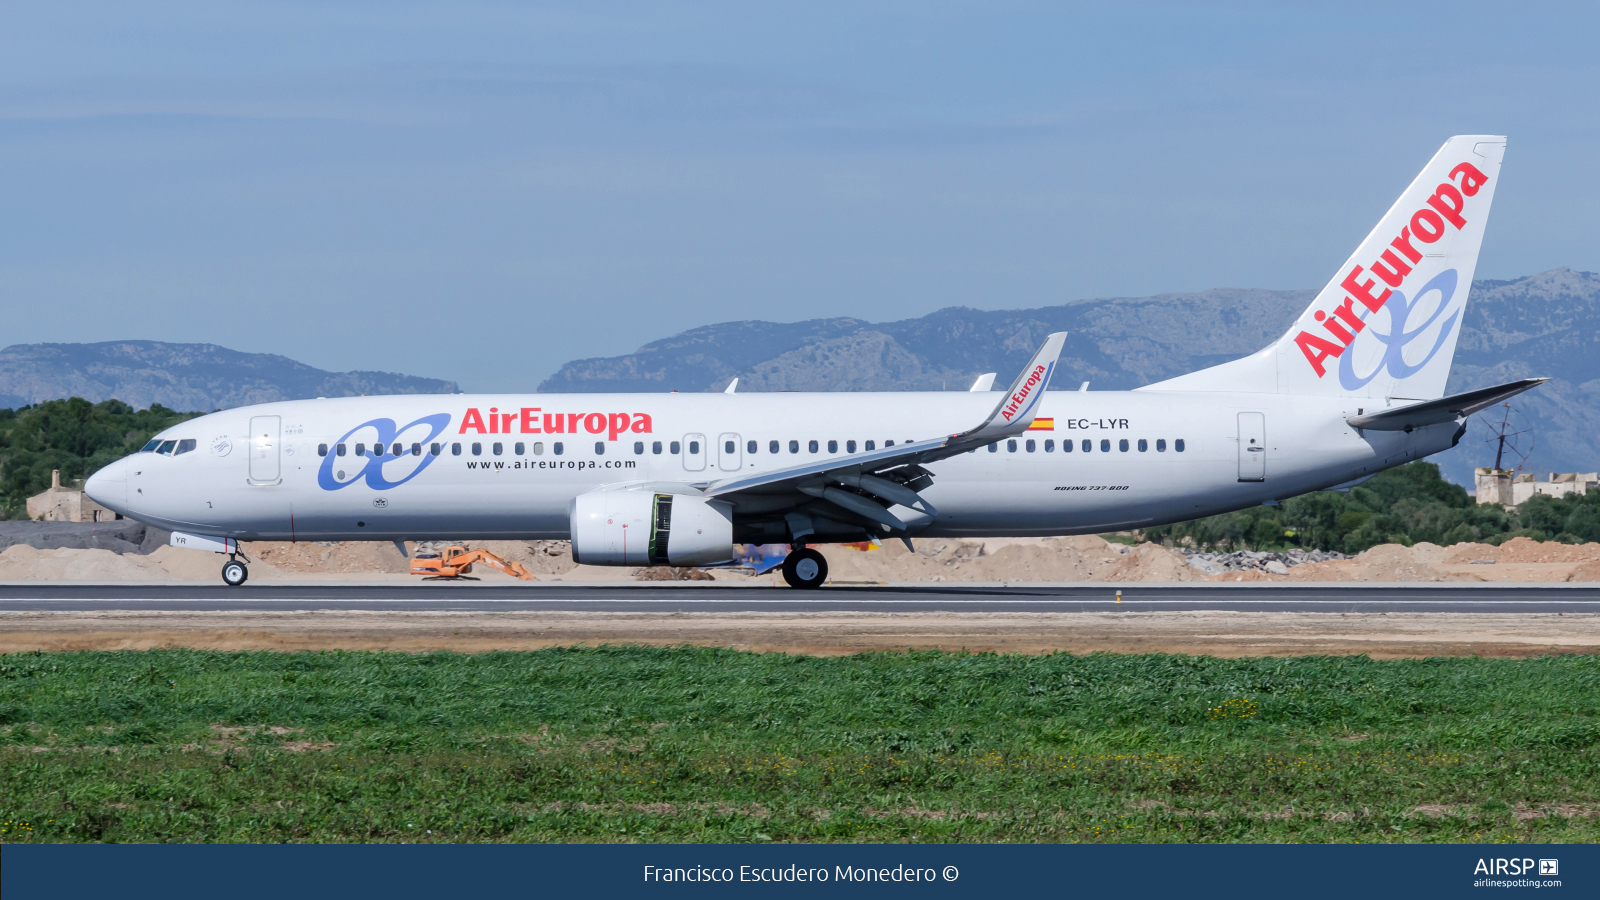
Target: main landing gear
{"x":805,"y":568}
{"x":234,"y":572}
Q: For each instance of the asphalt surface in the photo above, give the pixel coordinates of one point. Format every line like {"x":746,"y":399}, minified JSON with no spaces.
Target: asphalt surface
{"x":671,"y":598}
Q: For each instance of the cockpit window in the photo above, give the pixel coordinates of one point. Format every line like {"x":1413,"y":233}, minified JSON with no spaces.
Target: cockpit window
{"x":184,"y":446}
{"x":150,"y":447}
{"x":166,"y":448}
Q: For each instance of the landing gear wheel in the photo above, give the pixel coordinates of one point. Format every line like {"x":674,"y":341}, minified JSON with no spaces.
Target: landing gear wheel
{"x":805,"y":568}
{"x":234,"y":572}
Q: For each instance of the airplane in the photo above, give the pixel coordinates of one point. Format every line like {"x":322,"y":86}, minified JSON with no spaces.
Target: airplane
{"x":1355,"y":386}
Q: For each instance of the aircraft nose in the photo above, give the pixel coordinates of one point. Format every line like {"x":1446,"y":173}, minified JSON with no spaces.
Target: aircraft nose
{"x":109,"y":486}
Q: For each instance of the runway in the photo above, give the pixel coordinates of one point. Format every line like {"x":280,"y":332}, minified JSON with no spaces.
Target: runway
{"x":743,"y":599}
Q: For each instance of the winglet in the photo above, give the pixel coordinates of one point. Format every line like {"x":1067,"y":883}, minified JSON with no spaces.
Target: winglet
{"x":732,"y":386}
{"x":985,"y":382}
{"x":1016,"y":410}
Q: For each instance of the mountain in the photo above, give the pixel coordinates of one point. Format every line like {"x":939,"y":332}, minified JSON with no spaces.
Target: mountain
{"x":1545,"y":324}
{"x":183,"y":377}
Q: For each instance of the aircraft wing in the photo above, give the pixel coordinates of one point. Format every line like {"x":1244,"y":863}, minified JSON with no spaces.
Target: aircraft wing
{"x":1445,"y":409}
{"x":863,"y":483}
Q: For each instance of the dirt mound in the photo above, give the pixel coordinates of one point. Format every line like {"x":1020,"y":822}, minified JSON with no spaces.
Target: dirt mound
{"x":671,"y":573}
{"x":21,"y":562}
{"x":1517,"y":560}
{"x":308,"y":557}
{"x":1079,"y":558}
{"x":1526,"y":550}
{"x":1005,"y":560}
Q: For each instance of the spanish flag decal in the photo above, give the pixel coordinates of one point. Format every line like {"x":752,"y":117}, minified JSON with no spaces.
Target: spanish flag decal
{"x":1043,"y":425}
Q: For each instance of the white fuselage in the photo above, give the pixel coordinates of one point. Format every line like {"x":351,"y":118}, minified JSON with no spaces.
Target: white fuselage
{"x":256,"y":473}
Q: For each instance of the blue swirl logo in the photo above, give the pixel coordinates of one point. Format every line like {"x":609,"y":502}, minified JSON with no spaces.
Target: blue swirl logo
{"x":1398,"y":336}
{"x":387,"y":433}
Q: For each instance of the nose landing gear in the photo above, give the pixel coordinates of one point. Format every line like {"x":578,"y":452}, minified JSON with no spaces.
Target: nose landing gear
{"x":805,"y":568}
{"x":234,"y":572}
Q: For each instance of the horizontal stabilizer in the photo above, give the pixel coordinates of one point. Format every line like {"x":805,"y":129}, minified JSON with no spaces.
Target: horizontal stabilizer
{"x":1447,"y":409}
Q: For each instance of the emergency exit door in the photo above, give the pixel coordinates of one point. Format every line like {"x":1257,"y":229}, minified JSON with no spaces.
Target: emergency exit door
{"x":265,"y":441}
{"x":1252,"y":446}
{"x":694,"y":452}
{"x":730,"y":456}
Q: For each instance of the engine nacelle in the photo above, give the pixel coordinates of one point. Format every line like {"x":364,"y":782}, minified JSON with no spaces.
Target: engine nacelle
{"x":642,"y":527}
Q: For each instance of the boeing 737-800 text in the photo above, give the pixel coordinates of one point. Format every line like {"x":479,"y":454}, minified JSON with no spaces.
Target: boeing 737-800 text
{"x":1354,"y":387}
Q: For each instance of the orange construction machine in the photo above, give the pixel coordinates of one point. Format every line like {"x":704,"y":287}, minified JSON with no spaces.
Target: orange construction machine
{"x":456,"y":562}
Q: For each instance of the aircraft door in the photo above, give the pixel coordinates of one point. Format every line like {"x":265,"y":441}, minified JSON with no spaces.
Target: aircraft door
{"x":1252,"y":446}
{"x":265,"y":443}
{"x":694,"y":452}
{"x":730,"y":458}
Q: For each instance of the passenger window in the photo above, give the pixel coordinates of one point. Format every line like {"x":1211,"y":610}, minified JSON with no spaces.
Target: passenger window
{"x":812,"y":446}
{"x":675,"y":448}
{"x":477,"y":449}
{"x":1089,"y":445}
{"x":833,"y":446}
{"x":361,"y":449}
{"x":694,"y":447}
{"x":1011,"y":446}
{"x":1178,"y":445}
{"x":1105,"y":446}
{"x":519,"y":448}
{"x":728,"y":447}
{"x":377,"y":450}
{"x":994,"y":447}
{"x":434,"y":449}
{"x":1161,"y":445}
{"x":655,"y":447}
{"x":1049,"y":446}
{"x":752,"y":446}
{"x":184,"y":446}
{"x":322,"y":449}
{"x":416,"y":449}
{"x":556,"y":448}
{"x":1143,"y":445}
{"x":888,"y":443}
{"x":339,"y":450}
{"x":498,"y":448}
{"x":1030,"y":446}
{"x":849,"y":446}
{"x":455,"y":449}
{"x":599,"y":448}
{"x":1123,"y":445}
{"x":1066,"y":446}
{"x":871,"y":446}
{"x":538,"y":448}
{"x":150,"y":447}
{"x":638,"y":448}
{"x":794,"y":446}
{"x":772,"y":446}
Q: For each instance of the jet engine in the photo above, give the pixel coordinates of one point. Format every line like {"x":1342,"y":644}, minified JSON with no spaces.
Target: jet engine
{"x":645,"y":527}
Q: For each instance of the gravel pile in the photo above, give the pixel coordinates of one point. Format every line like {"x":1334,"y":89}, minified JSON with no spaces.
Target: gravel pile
{"x":121,"y":536}
{"x":1277,"y":562}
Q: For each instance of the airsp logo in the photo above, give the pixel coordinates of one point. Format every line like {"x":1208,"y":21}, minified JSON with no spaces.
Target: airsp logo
{"x":380,"y":503}
{"x":221,"y":446}
{"x":1502,"y":866}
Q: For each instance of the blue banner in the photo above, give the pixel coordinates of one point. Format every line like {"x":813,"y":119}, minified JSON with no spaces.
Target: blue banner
{"x":672,"y":870}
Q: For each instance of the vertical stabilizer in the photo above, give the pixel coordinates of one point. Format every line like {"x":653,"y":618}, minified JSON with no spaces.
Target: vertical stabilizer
{"x":1386,"y":324}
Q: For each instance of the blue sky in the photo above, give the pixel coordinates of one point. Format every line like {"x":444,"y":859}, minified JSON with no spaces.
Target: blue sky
{"x":483,"y":191}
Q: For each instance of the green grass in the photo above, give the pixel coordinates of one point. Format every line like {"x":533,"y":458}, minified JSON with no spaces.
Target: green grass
{"x":639,"y":744}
